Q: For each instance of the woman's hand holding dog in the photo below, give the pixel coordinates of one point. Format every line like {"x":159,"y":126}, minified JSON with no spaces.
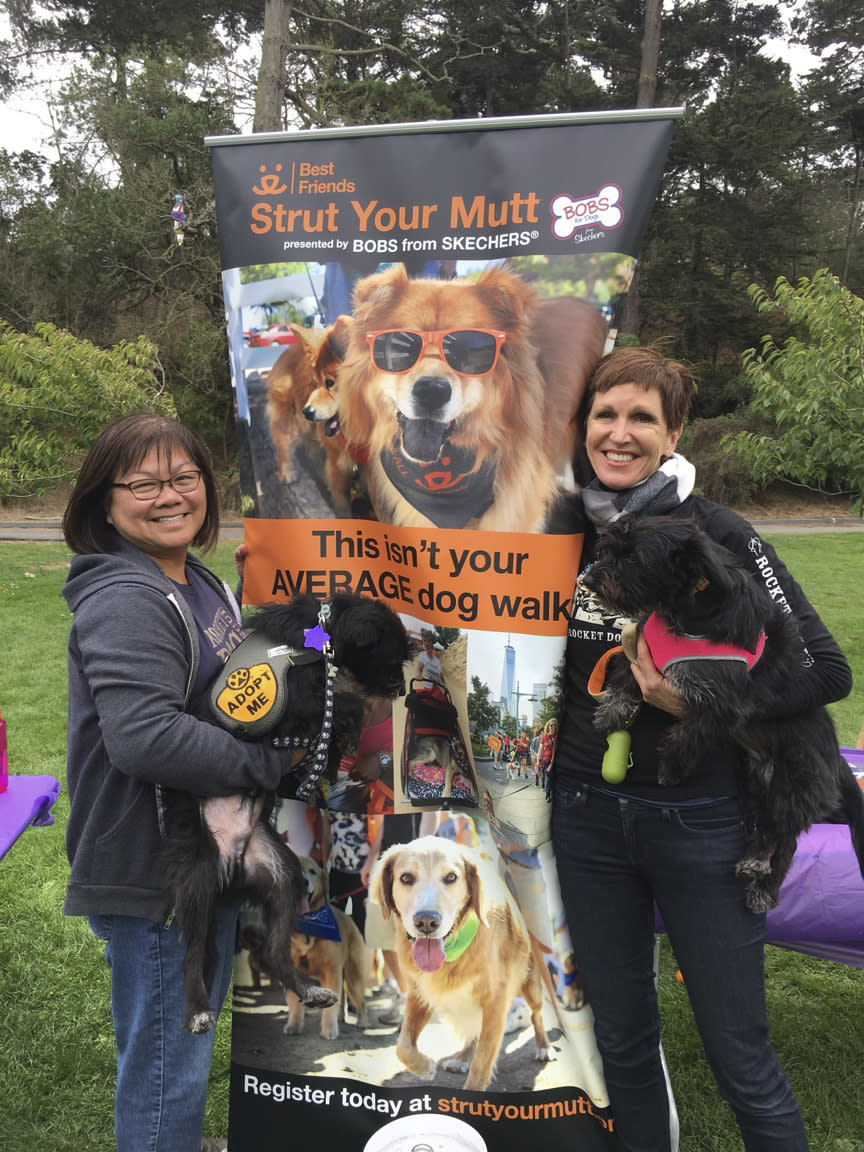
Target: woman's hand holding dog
{"x":655,"y":688}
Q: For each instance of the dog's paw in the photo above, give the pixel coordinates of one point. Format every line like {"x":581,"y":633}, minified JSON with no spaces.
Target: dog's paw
{"x":418,"y":1063}
{"x":573,"y":999}
{"x":362,"y":1020}
{"x":200,"y":1022}
{"x":753,"y":867}
{"x":546,"y":1055}
{"x":296,"y":1020}
{"x":455,"y":1064}
{"x":319,"y":997}
{"x":330,"y":1029}
{"x":759,"y":900}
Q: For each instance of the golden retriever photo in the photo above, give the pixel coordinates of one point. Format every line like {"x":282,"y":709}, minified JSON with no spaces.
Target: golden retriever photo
{"x":338,"y":964}
{"x":464,"y":951}
{"x":461,"y":396}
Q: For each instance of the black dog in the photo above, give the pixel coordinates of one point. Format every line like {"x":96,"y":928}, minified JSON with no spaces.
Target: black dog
{"x":736,"y":654}
{"x":353,"y":643}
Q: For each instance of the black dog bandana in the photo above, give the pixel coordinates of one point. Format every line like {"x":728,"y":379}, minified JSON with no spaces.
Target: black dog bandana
{"x":446,"y":491}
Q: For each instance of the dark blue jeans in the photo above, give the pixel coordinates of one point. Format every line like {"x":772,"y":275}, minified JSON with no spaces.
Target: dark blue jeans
{"x":615,"y":859}
{"x":162,"y":1071}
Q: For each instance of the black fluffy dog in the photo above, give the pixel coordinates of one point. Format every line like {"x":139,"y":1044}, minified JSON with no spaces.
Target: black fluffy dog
{"x":673,"y":579}
{"x":329,"y":656}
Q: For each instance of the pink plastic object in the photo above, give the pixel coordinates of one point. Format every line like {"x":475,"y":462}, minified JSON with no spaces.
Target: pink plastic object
{"x":4,"y":756}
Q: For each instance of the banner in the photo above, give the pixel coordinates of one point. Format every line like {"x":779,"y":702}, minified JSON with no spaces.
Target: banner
{"x":412,"y":313}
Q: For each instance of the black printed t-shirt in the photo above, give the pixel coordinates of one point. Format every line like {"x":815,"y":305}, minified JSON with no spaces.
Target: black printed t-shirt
{"x":218,"y":631}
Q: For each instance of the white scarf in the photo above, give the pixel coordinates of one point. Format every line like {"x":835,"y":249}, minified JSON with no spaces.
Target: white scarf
{"x":664,"y":490}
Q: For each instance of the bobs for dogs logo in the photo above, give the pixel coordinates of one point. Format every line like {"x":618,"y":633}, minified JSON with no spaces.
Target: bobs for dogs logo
{"x":249,"y":693}
{"x":601,"y":208}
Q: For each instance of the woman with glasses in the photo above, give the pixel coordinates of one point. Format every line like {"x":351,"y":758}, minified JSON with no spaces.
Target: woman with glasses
{"x":151,"y":627}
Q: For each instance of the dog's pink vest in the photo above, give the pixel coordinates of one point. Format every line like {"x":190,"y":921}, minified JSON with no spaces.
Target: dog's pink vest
{"x":667,"y":649}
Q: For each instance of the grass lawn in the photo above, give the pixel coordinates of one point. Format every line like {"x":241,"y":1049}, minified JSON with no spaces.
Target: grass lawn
{"x":56,"y":1043}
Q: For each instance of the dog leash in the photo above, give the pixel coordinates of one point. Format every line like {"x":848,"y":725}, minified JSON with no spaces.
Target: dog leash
{"x":319,"y":639}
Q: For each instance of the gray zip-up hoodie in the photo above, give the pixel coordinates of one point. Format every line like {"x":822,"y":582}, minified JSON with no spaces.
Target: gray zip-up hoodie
{"x":133,"y":656}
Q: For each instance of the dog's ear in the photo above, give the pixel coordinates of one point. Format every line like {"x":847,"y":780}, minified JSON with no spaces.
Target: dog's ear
{"x":381,"y":882}
{"x":286,"y":623}
{"x":476,"y":889}
{"x":295,"y":353}
{"x":510,"y":299}
{"x":370,"y":642}
{"x":338,"y":339}
{"x":709,"y":565}
{"x":379,"y":290}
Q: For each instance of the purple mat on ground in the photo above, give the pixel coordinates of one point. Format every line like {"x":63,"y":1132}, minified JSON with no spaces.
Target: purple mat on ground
{"x":821,"y":909}
{"x":27,"y":800}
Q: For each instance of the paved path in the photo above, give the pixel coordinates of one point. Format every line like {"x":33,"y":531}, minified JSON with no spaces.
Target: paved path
{"x":34,"y":528}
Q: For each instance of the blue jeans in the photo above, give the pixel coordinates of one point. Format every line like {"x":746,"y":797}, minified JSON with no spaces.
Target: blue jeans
{"x":615,"y":859}
{"x":162,"y":1071}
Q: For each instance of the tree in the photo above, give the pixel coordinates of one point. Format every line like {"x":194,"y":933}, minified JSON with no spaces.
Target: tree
{"x":550,"y":705}
{"x":270,"y":89}
{"x":811,"y":385}
{"x":482,"y":713}
{"x":91,"y":248}
{"x":834,"y":30}
{"x":56,"y":395}
{"x":445,"y":636}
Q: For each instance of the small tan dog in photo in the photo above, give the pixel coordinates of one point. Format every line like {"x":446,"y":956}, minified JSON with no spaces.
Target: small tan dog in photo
{"x":464,"y":950}
{"x":301,"y":411}
{"x":338,"y":964}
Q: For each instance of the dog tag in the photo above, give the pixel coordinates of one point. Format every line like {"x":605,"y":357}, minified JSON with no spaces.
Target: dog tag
{"x":616,"y":758}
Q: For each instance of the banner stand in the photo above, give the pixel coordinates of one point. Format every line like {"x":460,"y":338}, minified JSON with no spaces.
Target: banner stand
{"x":412,"y":314}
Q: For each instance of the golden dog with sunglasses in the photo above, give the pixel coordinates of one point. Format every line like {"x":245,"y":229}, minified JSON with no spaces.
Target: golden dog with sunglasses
{"x":460,"y":397}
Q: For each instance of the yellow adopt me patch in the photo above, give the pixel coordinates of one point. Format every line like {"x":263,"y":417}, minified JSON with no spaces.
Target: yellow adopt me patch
{"x":249,"y":694}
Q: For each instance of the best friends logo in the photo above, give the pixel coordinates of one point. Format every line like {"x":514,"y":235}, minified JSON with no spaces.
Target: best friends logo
{"x":570,"y":215}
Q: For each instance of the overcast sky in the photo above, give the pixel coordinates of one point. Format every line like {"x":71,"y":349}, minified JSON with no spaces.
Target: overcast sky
{"x":27,"y":119}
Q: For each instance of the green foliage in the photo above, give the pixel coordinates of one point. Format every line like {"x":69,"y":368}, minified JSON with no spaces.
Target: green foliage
{"x":550,"y":705}
{"x":92,"y":249}
{"x":760,"y":178}
{"x":56,"y":395}
{"x":811,"y":385}
{"x":722,"y":472}
{"x":445,"y":636}
{"x":56,"y":1043}
{"x":482,"y":712}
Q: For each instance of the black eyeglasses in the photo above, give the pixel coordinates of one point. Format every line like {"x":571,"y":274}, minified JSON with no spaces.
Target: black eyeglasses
{"x":468,"y":351}
{"x":149,"y":489}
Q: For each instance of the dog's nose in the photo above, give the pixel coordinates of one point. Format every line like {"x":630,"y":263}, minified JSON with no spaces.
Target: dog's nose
{"x":431,"y":392}
{"x":426,"y":923}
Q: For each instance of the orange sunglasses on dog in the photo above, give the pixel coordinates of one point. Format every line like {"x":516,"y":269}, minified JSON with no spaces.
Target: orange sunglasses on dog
{"x":468,"y":351}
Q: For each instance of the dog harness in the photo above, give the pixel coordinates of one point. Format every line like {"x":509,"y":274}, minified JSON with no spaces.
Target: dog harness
{"x":668,"y":649}
{"x":248,"y":695}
